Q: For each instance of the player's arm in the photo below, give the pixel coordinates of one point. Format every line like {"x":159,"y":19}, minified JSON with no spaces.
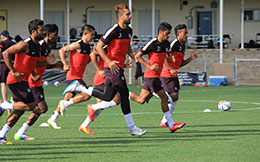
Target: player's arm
{"x":10,"y":52}
{"x":191,"y":58}
{"x":112,"y":64}
{"x":49,"y":60}
{"x":62,"y":53}
{"x":130,"y":53}
{"x":93,"y":57}
{"x":172,"y":70}
{"x":139,"y":58}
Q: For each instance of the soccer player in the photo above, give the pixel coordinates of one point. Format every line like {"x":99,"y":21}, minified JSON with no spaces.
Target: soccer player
{"x":4,"y":44}
{"x":117,"y":39}
{"x":157,"y":50}
{"x":99,"y":81}
{"x":79,"y":58}
{"x":169,"y":76}
{"x":27,"y":54}
{"x":35,"y":81}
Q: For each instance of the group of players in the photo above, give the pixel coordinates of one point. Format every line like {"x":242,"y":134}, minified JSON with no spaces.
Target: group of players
{"x":32,"y":57}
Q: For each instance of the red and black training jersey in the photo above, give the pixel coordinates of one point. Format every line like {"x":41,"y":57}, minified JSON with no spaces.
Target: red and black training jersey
{"x":25,"y":62}
{"x":156,"y":55}
{"x":4,"y":45}
{"x":118,"y":42}
{"x":78,"y":61}
{"x":45,"y":51}
{"x":177,"y":50}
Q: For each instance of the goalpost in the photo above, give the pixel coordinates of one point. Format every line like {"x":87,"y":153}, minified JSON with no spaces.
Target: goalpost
{"x":247,"y":71}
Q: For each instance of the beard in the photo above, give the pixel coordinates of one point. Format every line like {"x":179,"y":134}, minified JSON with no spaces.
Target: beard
{"x":127,"y":22}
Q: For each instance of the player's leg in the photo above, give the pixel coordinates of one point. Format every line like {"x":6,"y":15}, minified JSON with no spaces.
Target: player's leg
{"x":4,"y":91}
{"x":92,"y":108}
{"x":52,"y":121}
{"x":13,"y":118}
{"x":172,"y":100}
{"x":41,"y":107}
{"x":84,"y":127}
{"x":125,"y":107}
{"x":141,"y":99}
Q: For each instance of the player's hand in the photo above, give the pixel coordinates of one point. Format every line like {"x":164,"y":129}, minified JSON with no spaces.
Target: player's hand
{"x":113,"y":67}
{"x":194,"y":55}
{"x":17,"y":76}
{"x":174,"y":71}
{"x":101,"y":73}
{"x":155,"y":67}
{"x":35,"y":77}
{"x":59,"y":64}
{"x":129,"y":64}
{"x":51,"y":58}
{"x":66,"y":67}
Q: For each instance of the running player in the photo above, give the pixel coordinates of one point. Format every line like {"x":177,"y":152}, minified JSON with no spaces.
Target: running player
{"x":79,"y":58}
{"x":117,"y":39}
{"x":35,"y":83}
{"x":4,"y":44}
{"x":26,"y":53}
{"x":157,"y":50}
{"x":169,"y":76}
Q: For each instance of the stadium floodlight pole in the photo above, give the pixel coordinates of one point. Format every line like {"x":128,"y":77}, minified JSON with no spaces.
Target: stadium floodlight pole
{"x":153,"y":18}
{"x":242,"y":23}
{"x":221,"y":32}
{"x":68,"y":21}
{"x":130,"y":69}
{"x":42,"y":9}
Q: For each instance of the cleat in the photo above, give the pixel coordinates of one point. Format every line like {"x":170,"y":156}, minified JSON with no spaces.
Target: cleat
{"x":53,"y":123}
{"x":23,"y":137}
{"x":137,"y":131}
{"x":3,"y":140}
{"x":71,"y":87}
{"x":91,"y":112}
{"x":63,"y":108}
{"x":164,"y":124}
{"x":177,"y":126}
{"x":86,"y":130}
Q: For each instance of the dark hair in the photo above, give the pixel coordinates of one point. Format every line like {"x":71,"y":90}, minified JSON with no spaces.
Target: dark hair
{"x":179,"y":27}
{"x":164,"y":26}
{"x":119,"y":8}
{"x":51,"y":28}
{"x":87,"y":28}
{"x":33,"y":25}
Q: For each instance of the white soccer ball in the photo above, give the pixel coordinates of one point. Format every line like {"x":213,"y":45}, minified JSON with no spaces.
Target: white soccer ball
{"x":57,"y":83}
{"x":45,"y":83}
{"x":224,"y":105}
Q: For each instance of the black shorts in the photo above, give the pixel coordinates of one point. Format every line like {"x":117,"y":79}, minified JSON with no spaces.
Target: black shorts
{"x":152,"y":84}
{"x":38,"y":94}
{"x":170,"y":85}
{"x":116,"y":79}
{"x":3,"y":72}
{"x":21,"y":92}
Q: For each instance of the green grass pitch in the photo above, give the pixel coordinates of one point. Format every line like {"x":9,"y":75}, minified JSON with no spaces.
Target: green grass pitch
{"x":208,"y":136}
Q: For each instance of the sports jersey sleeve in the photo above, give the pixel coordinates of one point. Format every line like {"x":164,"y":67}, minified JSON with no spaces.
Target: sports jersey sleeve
{"x":108,"y":35}
{"x":148,"y":47}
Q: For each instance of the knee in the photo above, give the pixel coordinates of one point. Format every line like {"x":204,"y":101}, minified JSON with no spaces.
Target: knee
{"x":44,"y":110}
